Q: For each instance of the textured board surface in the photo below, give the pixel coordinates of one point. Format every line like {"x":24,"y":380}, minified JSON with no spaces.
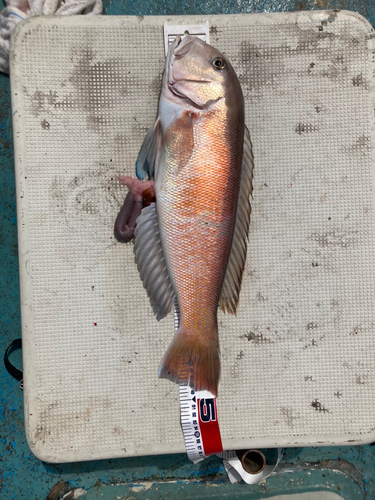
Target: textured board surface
{"x":297,"y":362}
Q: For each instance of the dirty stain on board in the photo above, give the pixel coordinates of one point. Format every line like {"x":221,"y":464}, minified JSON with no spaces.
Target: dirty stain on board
{"x":98,"y":86}
{"x":257,"y":338}
{"x":45,"y":125}
{"x":93,"y":193}
{"x":40,"y":102}
{"x":305,"y":128}
{"x":270,"y":65}
{"x":336,"y":238}
{"x":264,"y":66}
{"x":61,"y":423}
{"x":155,"y":85}
{"x":318,"y":406}
{"x":359,"y":81}
{"x":50,"y":433}
{"x":362,"y":146}
{"x":289,"y":415}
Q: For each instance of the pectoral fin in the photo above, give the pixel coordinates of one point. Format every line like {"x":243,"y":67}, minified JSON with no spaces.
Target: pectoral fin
{"x":152,"y":143}
{"x":151,"y":264}
{"x":233,"y":277}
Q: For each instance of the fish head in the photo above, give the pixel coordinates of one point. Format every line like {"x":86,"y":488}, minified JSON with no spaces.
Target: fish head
{"x":199,"y":75}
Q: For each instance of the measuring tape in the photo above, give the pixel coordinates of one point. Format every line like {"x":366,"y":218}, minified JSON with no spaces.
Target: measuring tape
{"x":199,"y":423}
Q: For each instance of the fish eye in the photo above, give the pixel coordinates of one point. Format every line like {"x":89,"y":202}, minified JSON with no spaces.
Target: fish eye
{"x":219,"y":63}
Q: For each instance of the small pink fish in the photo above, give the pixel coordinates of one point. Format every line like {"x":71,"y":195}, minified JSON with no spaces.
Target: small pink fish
{"x":191,"y":245}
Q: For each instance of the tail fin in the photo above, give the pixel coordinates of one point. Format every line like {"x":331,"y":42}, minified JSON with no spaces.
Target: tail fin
{"x":189,"y":361}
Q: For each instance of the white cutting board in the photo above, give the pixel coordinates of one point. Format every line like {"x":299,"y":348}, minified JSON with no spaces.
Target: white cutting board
{"x":298,"y":360}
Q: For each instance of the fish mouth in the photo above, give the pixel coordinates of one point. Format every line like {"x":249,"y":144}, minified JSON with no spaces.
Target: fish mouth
{"x":177,"y":50}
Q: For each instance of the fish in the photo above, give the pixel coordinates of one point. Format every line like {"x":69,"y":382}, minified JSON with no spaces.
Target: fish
{"x":191,"y":242}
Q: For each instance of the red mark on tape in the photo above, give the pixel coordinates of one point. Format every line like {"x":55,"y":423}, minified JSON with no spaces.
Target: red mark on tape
{"x":209,"y":426}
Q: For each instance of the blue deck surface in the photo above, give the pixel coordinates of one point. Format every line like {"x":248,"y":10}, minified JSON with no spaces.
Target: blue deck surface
{"x":349,"y":471}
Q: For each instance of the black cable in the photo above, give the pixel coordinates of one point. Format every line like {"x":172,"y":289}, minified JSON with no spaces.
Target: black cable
{"x":11,"y":369}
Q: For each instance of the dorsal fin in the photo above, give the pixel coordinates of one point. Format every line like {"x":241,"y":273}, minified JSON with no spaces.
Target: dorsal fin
{"x":145,"y":165}
{"x":151,"y":264}
{"x":233,"y":277}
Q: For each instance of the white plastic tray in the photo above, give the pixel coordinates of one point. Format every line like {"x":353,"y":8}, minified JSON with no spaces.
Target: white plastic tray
{"x":298,"y":361}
